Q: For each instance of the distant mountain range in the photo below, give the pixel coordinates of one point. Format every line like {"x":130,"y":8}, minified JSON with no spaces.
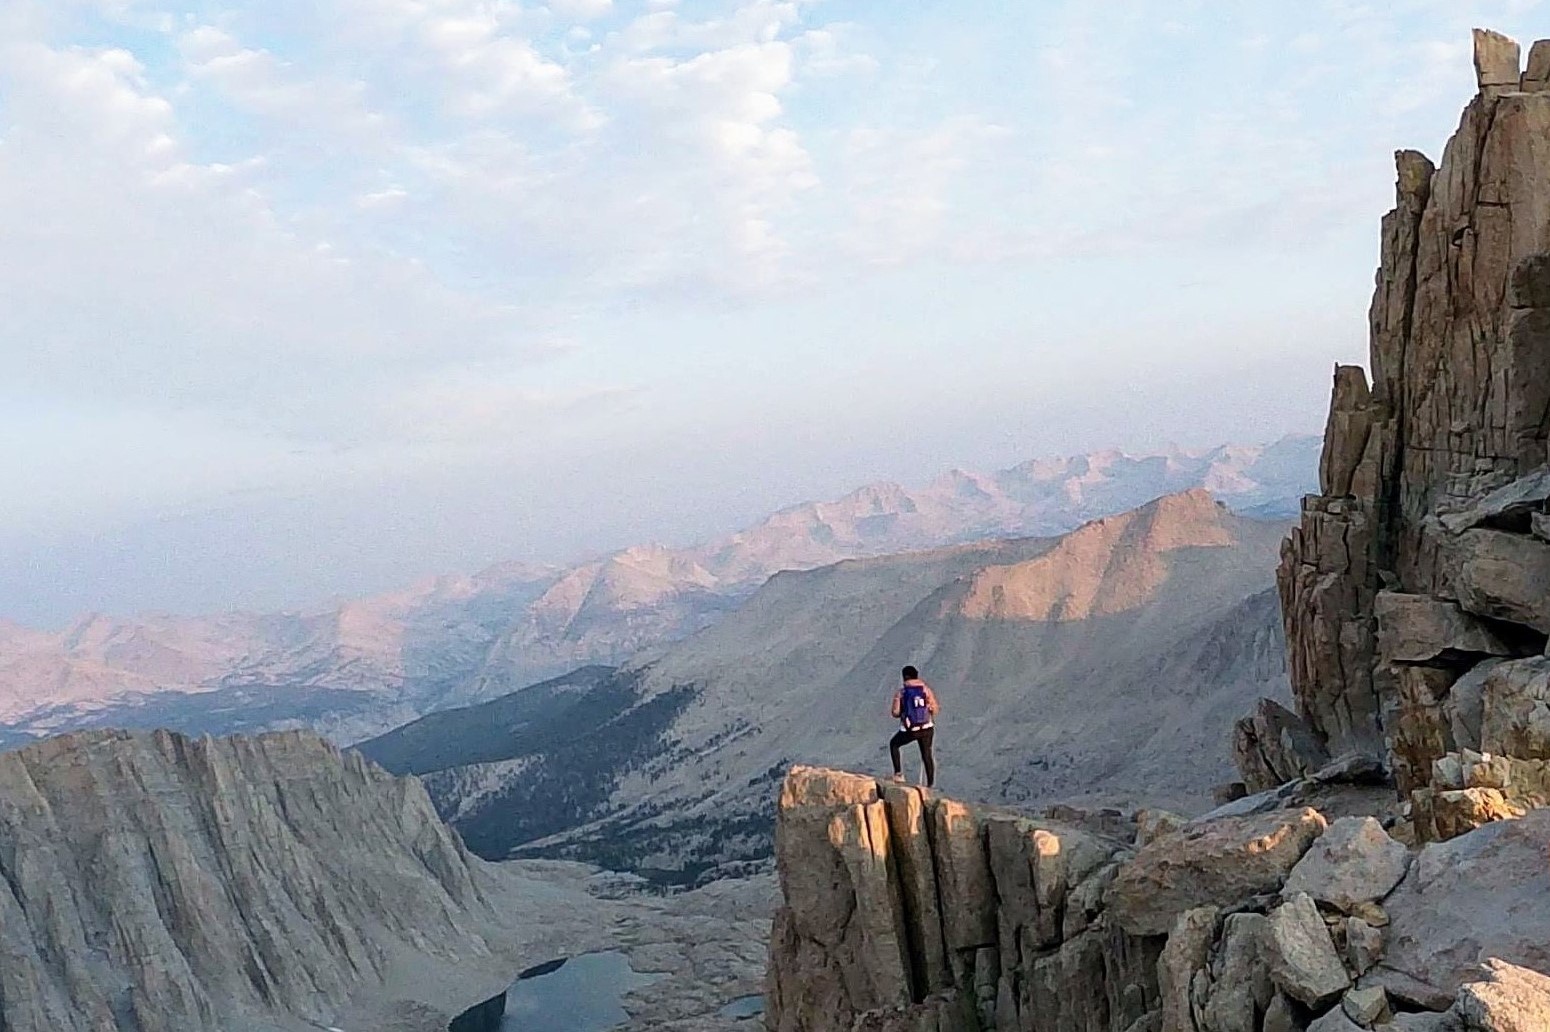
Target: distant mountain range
{"x":354,"y":670}
{"x":1106,"y":664}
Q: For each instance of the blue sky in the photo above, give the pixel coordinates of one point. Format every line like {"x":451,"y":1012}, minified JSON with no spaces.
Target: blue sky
{"x":314,"y":297}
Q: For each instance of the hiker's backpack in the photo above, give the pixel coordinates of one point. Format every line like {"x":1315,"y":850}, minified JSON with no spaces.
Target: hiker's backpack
{"x":914,"y":708}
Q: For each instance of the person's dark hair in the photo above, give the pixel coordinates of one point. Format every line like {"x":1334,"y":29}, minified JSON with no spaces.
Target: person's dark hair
{"x":910,"y":673}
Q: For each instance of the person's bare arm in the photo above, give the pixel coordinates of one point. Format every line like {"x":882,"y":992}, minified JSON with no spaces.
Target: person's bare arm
{"x":931,"y":700}
{"x":898,"y":700}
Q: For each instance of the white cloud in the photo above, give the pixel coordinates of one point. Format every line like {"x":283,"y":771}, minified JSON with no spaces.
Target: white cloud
{"x":581,"y":10}
{"x":330,"y":111}
{"x":825,"y":54}
{"x":135,"y":276}
{"x":302,"y":243}
{"x":757,"y":21}
{"x":494,"y":70}
{"x":900,"y":188}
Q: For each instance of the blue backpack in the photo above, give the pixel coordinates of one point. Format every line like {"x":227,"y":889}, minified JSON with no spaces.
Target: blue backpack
{"x":913,"y":708}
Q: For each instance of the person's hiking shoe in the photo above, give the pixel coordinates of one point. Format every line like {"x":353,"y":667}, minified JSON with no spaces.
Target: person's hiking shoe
{"x":899,"y":778}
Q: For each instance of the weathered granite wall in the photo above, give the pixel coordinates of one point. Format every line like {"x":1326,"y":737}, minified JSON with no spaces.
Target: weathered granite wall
{"x":906,"y":912}
{"x":1418,"y":568}
{"x":900,"y":905}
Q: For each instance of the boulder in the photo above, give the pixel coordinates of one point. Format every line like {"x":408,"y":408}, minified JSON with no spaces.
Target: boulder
{"x":1448,"y":772}
{"x":1189,"y":943}
{"x":1509,"y":507}
{"x":1365,"y":1006}
{"x":1213,"y":863}
{"x":1273,"y":745}
{"x":1241,"y":988}
{"x":1303,"y":960}
{"x":1425,"y":1021}
{"x":1508,"y":999}
{"x":1280,"y":1016}
{"x":1515,"y":709}
{"x":1153,"y":824}
{"x":1409,"y":993}
{"x":1352,"y":769}
{"x":1420,"y":628}
{"x":1364,"y":945}
{"x":1497,"y":61}
{"x":1482,"y":770}
{"x":1334,"y":1021}
{"x":1353,"y":862}
{"x":1485,"y":894}
{"x":1465,"y":704}
{"x":1271,"y":799}
{"x":1503,"y":576}
{"x":1446,"y":815}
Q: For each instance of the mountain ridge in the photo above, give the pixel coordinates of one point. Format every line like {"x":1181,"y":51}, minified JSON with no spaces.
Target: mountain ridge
{"x":168,"y":884}
{"x":698,"y":732}
{"x":368,"y":664}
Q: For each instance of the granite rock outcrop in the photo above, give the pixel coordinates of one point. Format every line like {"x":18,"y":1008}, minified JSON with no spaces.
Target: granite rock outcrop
{"x":158,"y":883}
{"x":1417,"y":568}
{"x":902,"y":910}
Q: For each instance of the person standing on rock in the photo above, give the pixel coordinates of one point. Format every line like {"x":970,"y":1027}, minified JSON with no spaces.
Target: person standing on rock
{"x":914,"y":704}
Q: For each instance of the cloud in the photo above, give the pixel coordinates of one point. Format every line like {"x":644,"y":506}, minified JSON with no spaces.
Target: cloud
{"x":755,"y":21}
{"x":325,"y":110}
{"x":137,"y":276}
{"x":475,"y":410}
{"x":495,"y":72}
{"x":825,"y":54}
{"x":582,"y":10}
{"x":900,"y":187}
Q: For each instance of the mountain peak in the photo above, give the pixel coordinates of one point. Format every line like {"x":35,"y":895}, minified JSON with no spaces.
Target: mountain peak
{"x":1105,"y":567}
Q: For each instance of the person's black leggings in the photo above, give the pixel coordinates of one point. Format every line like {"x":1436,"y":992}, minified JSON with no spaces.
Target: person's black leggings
{"x":923,"y":736}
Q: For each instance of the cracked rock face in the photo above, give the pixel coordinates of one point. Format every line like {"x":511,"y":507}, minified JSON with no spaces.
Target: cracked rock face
{"x":903,"y":910}
{"x":1217,"y":862}
{"x":155,"y":882}
{"x":1485,"y":894}
{"x":1508,"y":999}
{"x":1418,"y":559}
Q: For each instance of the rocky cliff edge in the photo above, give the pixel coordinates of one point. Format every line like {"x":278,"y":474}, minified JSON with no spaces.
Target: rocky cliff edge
{"x":1416,"y":591}
{"x":904,"y":911}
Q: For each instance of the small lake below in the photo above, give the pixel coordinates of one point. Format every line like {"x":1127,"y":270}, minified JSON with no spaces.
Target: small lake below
{"x":575,"y":994}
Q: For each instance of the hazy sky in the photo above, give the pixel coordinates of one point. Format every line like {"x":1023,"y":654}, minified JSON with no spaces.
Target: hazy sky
{"x":314,"y":296}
